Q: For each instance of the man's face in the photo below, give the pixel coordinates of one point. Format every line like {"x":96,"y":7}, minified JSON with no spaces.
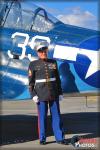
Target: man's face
{"x":42,"y":54}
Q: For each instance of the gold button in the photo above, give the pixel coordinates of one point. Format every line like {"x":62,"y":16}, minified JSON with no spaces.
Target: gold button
{"x":47,"y":75}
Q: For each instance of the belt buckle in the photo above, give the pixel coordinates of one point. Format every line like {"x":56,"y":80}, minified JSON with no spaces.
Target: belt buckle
{"x":47,"y":80}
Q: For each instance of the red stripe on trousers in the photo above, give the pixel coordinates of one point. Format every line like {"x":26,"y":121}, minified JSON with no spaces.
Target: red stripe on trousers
{"x":38,"y":122}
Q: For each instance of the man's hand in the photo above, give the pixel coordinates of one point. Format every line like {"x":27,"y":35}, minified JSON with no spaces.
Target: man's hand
{"x":61,"y":97}
{"x":36,"y":99}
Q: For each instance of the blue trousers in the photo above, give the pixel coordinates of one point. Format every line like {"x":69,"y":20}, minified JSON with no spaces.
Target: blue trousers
{"x":56,"y":120}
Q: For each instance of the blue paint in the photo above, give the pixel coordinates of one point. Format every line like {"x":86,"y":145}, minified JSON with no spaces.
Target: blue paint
{"x":72,"y":73}
{"x":82,"y":63}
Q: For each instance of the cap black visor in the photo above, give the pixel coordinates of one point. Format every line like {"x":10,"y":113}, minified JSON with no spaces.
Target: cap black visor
{"x":42,"y":49}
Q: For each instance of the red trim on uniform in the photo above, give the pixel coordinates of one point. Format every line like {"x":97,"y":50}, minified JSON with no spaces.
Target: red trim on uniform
{"x":38,"y":122}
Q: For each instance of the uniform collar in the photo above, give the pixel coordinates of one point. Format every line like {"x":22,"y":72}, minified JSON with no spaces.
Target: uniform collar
{"x":46,"y":59}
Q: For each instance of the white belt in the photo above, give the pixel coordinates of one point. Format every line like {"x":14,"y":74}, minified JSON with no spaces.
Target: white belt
{"x":46,"y":80}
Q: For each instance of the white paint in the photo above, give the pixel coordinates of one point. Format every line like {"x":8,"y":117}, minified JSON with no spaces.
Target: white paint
{"x":70,"y":53}
{"x":22,"y":45}
{"x":25,"y":43}
{"x":94,"y":57}
{"x":65,"y":52}
{"x":60,"y":52}
{"x":9,"y":54}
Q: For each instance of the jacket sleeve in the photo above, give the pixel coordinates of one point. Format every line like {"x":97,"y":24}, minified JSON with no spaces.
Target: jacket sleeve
{"x":31,"y":77}
{"x":58,"y":80}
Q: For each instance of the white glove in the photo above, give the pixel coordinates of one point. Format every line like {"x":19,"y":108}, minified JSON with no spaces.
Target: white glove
{"x":61,"y":97}
{"x":36,"y":99}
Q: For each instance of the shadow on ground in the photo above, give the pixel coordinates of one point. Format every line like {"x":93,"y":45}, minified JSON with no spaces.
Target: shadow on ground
{"x":23,"y":128}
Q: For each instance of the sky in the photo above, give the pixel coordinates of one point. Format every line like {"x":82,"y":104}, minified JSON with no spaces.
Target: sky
{"x":80,"y":13}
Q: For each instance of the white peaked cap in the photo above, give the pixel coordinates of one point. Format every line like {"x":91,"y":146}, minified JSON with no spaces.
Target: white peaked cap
{"x":41,"y":45}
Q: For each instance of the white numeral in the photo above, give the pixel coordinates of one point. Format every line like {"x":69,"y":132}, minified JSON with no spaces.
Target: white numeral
{"x":22,"y":45}
{"x":26,"y":42}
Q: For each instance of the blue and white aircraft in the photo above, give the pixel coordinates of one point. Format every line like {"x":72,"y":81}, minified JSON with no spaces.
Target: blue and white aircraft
{"x":76,"y":50}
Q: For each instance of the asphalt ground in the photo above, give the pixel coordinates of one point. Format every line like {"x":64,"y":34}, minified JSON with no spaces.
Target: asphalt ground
{"x":80,"y":117}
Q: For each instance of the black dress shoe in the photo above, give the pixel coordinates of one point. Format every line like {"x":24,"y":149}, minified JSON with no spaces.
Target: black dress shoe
{"x":42,"y":142}
{"x":64,"y":142}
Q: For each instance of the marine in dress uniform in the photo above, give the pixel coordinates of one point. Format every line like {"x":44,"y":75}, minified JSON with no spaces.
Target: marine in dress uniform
{"x":45,"y":89}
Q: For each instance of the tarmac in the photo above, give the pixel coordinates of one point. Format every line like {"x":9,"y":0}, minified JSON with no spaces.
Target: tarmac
{"x":80,"y":117}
